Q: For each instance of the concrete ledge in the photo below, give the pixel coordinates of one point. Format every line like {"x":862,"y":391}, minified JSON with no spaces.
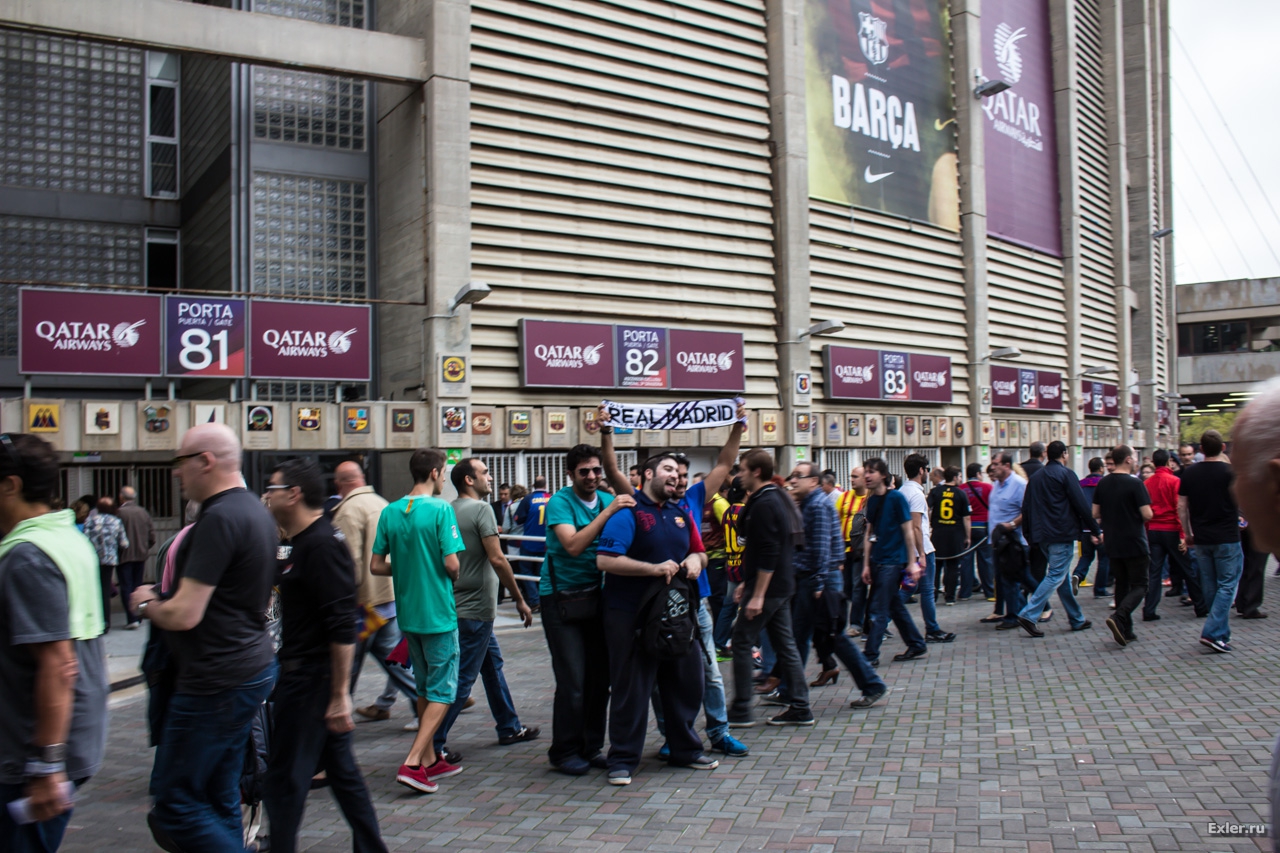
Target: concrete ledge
{"x":243,"y":36}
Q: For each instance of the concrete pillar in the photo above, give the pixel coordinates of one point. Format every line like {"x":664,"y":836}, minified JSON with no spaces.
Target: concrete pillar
{"x":966,"y":34}
{"x":786,"y":46}
{"x":424,"y":205}
{"x":1066,"y":111}
{"x":1112,"y":18}
{"x":1142,"y":62}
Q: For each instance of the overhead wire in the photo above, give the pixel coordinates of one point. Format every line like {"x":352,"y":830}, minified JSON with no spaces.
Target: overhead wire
{"x":1265,"y":238}
{"x":1221,"y":219}
{"x":1181,"y":201}
{"x":1223,"y":120}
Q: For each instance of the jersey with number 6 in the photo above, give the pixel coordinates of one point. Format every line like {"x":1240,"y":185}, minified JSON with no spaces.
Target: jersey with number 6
{"x":948,"y":508}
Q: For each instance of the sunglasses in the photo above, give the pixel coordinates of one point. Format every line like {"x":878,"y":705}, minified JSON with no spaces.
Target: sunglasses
{"x":587,"y":472}
{"x":277,"y":488}
{"x":177,"y":461}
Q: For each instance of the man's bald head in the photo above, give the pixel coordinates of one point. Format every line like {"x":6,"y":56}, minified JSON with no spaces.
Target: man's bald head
{"x":348,"y":477}
{"x":209,"y":461}
{"x":1256,"y":458}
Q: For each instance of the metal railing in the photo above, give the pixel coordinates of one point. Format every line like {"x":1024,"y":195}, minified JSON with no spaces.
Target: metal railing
{"x":513,"y":537}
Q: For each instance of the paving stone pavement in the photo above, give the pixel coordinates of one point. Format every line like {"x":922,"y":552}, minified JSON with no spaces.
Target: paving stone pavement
{"x":995,"y":742}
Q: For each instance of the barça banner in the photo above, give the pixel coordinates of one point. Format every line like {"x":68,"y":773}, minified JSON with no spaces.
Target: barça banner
{"x":1021,"y":149}
{"x":881,"y":125}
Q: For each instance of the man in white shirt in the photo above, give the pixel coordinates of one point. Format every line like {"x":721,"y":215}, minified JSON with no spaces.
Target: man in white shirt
{"x":917,"y":470}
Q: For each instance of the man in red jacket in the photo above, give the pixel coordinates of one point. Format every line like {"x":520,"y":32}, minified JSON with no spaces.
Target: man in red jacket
{"x":1164,"y":533}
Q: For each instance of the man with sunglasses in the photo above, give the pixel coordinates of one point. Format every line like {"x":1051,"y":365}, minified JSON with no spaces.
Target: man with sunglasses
{"x":216,"y":628}
{"x":573,"y":619}
{"x":53,"y":684}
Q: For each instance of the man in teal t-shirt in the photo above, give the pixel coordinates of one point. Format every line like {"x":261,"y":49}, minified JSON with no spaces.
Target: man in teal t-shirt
{"x":579,"y":660}
{"x":419,"y":533}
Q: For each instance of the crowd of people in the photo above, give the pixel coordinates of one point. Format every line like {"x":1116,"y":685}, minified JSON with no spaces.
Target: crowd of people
{"x":643,"y":583}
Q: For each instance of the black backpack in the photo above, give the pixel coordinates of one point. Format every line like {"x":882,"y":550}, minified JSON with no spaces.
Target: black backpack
{"x":668,"y":618}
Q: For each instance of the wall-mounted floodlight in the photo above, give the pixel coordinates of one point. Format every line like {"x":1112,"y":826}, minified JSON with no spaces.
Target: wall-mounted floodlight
{"x":1096,"y":370}
{"x":822,"y":327}
{"x":989,"y":88}
{"x":1161,"y":232}
{"x":469,"y":294}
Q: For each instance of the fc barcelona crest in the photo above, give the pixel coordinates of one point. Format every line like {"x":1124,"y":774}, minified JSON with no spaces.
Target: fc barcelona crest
{"x":308,"y":419}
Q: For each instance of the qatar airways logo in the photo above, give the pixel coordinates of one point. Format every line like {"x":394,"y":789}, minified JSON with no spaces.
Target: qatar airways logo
{"x":300,"y":343}
{"x":1005,"y":387}
{"x":90,"y":337}
{"x":573,"y":357}
{"x":930,"y":378}
{"x":1051,"y":392}
{"x":856,"y":374}
{"x":705,"y":362}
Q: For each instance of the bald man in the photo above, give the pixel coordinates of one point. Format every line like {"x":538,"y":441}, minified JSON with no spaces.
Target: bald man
{"x":216,"y":629}
{"x":356,"y":515}
{"x":1256,"y":454}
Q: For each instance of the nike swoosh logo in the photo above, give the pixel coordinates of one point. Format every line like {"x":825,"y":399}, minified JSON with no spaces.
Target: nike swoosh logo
{"x":941,"y":125}
{"x":871,"y":177}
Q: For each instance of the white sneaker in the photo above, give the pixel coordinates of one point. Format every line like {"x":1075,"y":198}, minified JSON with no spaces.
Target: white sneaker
{"x":411,"y":726}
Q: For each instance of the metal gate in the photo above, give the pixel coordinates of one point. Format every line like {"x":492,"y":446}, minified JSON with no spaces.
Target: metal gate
{"x":157,"y":489}
{"x":504,"y":468}
{"x":523,"y":468}
{"x":842,"y":462}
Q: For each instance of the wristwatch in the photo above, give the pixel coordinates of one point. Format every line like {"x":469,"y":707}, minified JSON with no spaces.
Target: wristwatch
{"x":51,"y":759}
{"x":142,"y":609}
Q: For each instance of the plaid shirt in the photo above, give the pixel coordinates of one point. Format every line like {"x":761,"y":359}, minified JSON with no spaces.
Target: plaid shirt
{"x":823,"y":545}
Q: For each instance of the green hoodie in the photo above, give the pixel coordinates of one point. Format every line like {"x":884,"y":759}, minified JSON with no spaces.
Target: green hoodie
{"x":56,"y":535}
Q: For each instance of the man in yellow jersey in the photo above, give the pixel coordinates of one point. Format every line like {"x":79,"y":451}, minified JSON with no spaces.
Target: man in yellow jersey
{"x":849,"y":506}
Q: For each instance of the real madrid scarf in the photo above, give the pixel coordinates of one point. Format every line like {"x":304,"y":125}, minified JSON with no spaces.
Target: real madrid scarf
{"x":693,"y":414}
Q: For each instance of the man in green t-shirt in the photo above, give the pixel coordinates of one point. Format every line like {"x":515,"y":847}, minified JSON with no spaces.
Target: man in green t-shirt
{"x":482,"y":566}
{"x":420,"y":534}
{"x":579,"y":659}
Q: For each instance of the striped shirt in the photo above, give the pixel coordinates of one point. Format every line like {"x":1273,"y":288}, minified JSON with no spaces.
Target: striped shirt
{"x":849,"y":504}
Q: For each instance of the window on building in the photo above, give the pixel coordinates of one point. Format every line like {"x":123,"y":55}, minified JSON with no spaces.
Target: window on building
{"x":1213,"y":338}
{"x":162,"y":125}
{"x":162,"y":259}
{"x":309,"y":237}
{"x":73,"y":114}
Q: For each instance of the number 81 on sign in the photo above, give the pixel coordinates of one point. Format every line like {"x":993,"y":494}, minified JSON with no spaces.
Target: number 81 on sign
{"x":204,"y":336}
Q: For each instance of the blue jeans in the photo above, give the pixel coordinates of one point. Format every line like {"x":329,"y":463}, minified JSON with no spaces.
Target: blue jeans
{"x":1059,"y":555}
{"x":379,"y":645}
{"x":928,"y":597}
{"x":43,"y":837}
{"x":479,"y":655}
{"x":982,"y":557}
{"x":886,"y":603}
{"x":713,"y":700}
{"x":723,"y":630}
{"x":529,"y":589}
{"x":196,"y":777}
{"x":1101,"y":578}
{"x":1219,"y":567}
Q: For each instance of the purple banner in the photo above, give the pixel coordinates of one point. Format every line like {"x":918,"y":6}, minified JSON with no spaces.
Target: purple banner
{"x":1093,"y":401}
{"x":307,"y":340}
{"x":1135,"y":408}
{"x":1004,"y":388}
{"x":1049,"y":387}
{"x":88,"y":332}
{"x":642,"y":357}
{"x":930,"y":378}
{"x":894,"y":376}
{"x":707,"y":361}
{"x":1162,"y":412}
{"x":204,"y":336}
{"x":851,"y":373}
{"x":1022,"y":153}
{"x":566,"y":355}
{"x":1029,"y":389}
{"x":1110,"y":401}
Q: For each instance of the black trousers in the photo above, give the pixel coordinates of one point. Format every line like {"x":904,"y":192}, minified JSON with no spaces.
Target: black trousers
{"x":300,"y":745}
{"x":1130,"y":577}
{"x":1164,"y":545}
{"x":633,"y":674}
{"x":580,"y":664}
{"x":774,"y":618}
{"x":1249,"y":593}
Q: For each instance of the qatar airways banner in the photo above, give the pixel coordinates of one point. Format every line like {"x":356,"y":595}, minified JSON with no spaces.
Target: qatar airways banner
{"x":88,"y":332}
{"x":881,"y":125}
{"x":852,"y":373}
{"x":1020,"y":388}
{"x":1101,"y":399}
{"x":310,"y":340}
{"x":1021,"y":148}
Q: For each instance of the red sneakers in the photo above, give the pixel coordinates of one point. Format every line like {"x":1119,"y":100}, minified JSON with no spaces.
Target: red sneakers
{"x":417,"y":779}
{"x":442,"y":769}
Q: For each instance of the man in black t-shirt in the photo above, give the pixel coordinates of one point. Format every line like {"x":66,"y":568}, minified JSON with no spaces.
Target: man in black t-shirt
{"x":1122,"y":505}
{"x":216,"y":628}
{"x":949,"y":518}
{"x":1211,"y":523}
{"x":311,"y":704}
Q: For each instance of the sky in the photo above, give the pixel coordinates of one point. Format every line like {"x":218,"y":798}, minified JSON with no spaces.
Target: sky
{"x":1224,"y":54}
